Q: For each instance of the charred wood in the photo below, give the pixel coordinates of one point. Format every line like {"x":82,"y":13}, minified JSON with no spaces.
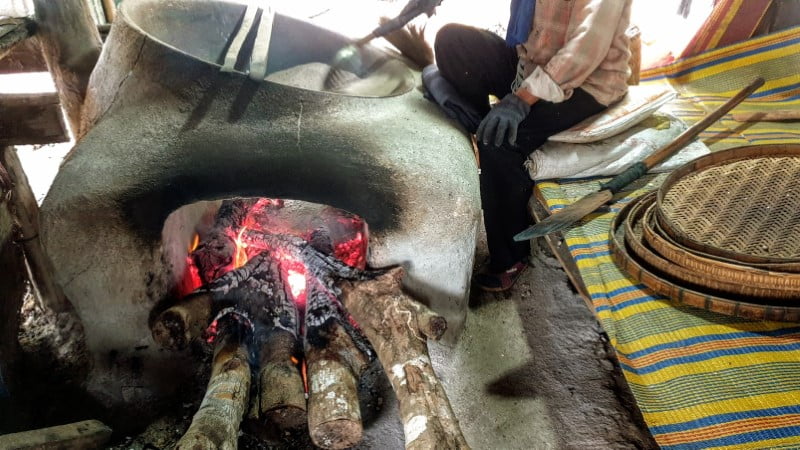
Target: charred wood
{"x":216,"y":251}
{"x":398,"y":327}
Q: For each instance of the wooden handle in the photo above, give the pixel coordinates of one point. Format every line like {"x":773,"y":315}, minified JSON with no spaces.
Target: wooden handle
{"x":766,"y":116}
{"x":692,"y":132}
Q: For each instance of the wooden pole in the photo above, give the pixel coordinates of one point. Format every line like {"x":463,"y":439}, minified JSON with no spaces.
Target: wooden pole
{"x":71,"y":46}
{"x":397,"y":326}
{"x":215,"y":426}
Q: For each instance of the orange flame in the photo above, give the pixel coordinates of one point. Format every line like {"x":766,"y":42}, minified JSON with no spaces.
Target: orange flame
{"x":195,"y":242}
{"x":240,"y":257}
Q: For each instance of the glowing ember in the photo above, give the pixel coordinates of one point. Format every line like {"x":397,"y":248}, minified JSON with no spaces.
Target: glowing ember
{"x":297,"y":283}
{"x":346,"y":236}
{"x":353,"y":252}
{"x":211,"y":332}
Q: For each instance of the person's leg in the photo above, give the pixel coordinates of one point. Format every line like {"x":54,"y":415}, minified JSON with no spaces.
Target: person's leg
{"x":476,"y":63}
{"x":506,"y":185}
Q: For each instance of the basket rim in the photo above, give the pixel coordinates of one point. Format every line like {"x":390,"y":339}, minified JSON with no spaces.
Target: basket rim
{"x":725,"y":271}
{"x":634,"y":241}
{"x":707,"y":162}
{"x":684,"y":296}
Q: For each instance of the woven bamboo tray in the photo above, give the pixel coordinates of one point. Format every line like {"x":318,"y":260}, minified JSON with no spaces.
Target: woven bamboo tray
{"x":711,"y":268}
{"x":681,"y":294}
{"x":654,"y":224}
{"x":740,"y":204}
{"x":634,"y":229}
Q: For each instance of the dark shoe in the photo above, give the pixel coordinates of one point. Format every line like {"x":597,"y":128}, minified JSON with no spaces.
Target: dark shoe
{"x":499,"y":282}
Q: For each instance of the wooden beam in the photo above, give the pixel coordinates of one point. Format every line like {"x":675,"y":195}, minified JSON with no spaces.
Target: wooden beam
{"x":24,"y":57}
{"x":71,"y":46}
{"x":13,"y":31}
{"x":31,"y":119}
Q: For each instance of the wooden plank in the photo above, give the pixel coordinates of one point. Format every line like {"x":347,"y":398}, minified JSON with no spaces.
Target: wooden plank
{"x":559,"y":248}
{"x":13,"y":31}
{"x":31,"y":119}
{"x":73,"y":436}
{"x":24,"y":57}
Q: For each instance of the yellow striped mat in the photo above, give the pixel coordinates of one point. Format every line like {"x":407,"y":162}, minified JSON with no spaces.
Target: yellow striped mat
{"x":701,"y":380}
{"x":707,"y":80}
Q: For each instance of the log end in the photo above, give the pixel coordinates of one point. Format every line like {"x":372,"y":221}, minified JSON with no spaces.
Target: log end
{"x":435,"y":327}
{"x":169,"y":332}
{"x":337,"y":434}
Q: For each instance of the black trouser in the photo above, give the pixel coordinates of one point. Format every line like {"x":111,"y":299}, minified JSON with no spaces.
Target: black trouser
{"x":479,"y":63}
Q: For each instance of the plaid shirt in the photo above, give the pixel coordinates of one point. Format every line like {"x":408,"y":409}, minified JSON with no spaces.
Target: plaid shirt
{"x":577,"y":43}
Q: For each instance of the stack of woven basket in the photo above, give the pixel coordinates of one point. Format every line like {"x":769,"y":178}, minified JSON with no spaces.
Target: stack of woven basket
{"x":722,"y":233}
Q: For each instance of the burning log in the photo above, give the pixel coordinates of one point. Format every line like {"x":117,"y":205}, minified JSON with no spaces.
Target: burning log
{"x":176,"y":327}
{"x":216,"y":423}
{"x":397,"y":326}
{"x":217,"y":250}
{"x":335,"y":361}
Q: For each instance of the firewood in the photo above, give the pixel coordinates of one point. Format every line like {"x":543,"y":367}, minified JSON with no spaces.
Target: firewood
{"x":181,"y":323}
{"x":73,"y":436}
{"x":335,"y":363}
{"x":216,"y":423}
{"x":280,"y":403}
{"x":398,"y":326}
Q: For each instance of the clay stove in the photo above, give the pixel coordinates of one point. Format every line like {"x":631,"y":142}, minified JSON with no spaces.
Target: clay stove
{"x":167,"y":134}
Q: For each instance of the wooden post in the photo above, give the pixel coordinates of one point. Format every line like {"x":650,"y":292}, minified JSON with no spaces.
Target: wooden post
{"x":398,"y":326}
{"x":71,"y":46}
{"x":25,"y":211}
{"x":12,"y":286}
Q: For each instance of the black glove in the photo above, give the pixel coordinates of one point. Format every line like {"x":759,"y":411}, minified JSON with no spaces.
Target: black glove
{"x":504,"y":118}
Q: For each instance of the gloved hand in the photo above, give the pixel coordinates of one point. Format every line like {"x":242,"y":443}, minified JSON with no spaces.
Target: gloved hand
{"x":503,"y":119}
